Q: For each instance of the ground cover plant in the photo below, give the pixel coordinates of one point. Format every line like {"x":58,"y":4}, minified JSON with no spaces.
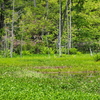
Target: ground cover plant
{"x":50,"y":77}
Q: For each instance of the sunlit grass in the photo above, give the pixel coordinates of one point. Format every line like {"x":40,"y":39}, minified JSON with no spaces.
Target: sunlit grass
{"x":70,"y":62}
{"x":50,"y":77}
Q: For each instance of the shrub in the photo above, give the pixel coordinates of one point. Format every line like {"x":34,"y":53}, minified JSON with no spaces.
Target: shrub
{"x":64,"y":50}
{"x":46,"y":50}
{"x":73,"y":51}
{"x":97,"y":57}
{"x":5,"y":53}
{"x":36,"y":49}
{"x":25,"y":47}
{"x":26,"y":52}
{"x":79,"y":53}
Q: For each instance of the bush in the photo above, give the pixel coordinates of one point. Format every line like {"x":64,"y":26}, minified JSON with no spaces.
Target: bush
{"x":7,"y":53}
{"x":36,"y":49}
{"x":26,"y":52}
{"x":64,"y":50}
{"x":79,"y":53}
{"x":97,"y":57}
{"x":46,"y":50}
{"x":73,"y":51}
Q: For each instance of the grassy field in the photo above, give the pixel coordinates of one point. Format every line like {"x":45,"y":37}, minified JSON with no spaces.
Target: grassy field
{"x":49,"y":77}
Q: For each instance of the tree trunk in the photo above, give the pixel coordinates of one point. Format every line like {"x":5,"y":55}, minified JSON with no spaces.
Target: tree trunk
{"x":12,"y":32}
{"x":60,"y":26}
{"x":21,"y":44}
{"x":69,"y":29}
{"x":2,"y":15}
{"x":6,"y":42}
{"x":70,"y":37}
{"x":34,"y":3}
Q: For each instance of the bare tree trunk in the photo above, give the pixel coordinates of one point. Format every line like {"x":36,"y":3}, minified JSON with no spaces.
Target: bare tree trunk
{"x":60,"y":26}
{"x":47,"y":44}
{"x":69,"y":26}
{"x":67,"y":3}
{"x":91,"y":52}
{"x":34,"y":3}
{"x":12,"y":32}
{"x":6,"y":42}
{"x":21,"y":44}
{"x":70,"y":38}
{"x":47,"y":8}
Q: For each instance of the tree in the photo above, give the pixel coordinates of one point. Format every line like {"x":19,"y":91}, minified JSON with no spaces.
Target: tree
{"x":1,"y":15}
{"x":12,"y":31}
{"x":69,"y":29}
{"x":34,"y":3}
{"x":86,"y":21}
{"x":75,"y":24}
{"x":60,"y":26}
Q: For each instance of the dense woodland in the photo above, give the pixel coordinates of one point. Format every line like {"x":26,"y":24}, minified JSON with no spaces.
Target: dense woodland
{"x":49,"y":26}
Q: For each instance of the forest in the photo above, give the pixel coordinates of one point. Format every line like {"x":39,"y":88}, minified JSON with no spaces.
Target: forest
{"x":49,"y":49}
{"x":49,"y":27}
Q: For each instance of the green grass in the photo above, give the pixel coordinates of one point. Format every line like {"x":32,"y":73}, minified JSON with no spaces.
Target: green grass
{"x":49,"y":77}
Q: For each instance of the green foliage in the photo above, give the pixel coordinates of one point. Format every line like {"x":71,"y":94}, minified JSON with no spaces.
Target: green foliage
{"x":36,"y":48}
{"x":47,"y":50}
{"x":73,"y":51}
{"x":79,"y":53}
{"x":20,"y":80}
{"x":64,"y":50}
{"x":40,"y":25}
{"x":97,"y":57}
{"x":26,"y":52}
{"x":5,"y":53}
